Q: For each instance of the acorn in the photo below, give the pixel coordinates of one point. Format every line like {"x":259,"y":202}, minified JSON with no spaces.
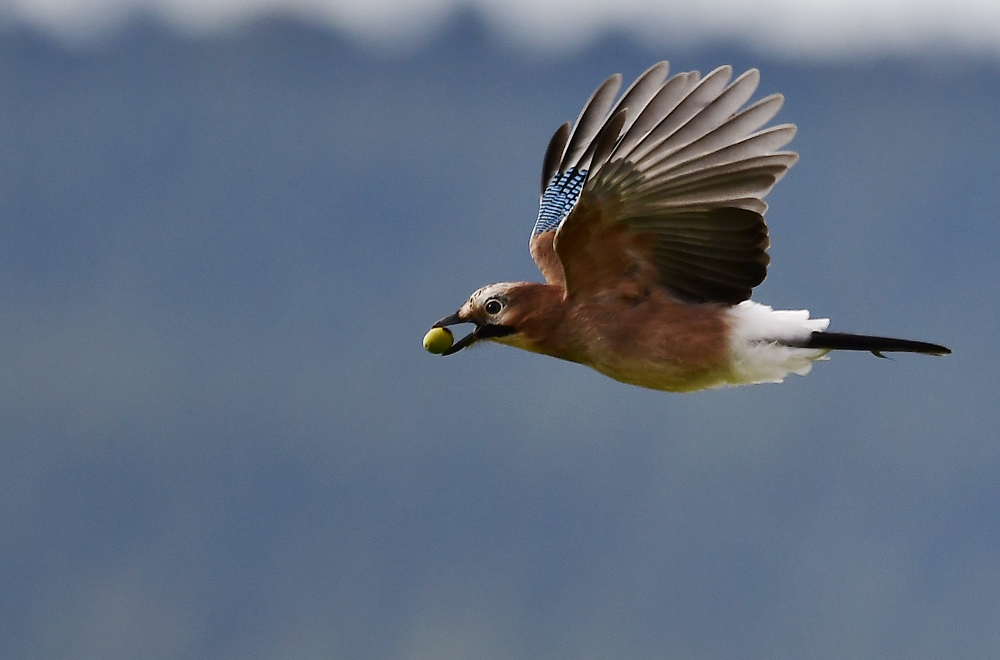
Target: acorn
{"x":438,"y":340}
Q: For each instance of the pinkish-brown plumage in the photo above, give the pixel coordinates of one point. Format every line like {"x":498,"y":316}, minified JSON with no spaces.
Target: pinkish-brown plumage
{"x":651,"y":236}
{"x":652,"y":341}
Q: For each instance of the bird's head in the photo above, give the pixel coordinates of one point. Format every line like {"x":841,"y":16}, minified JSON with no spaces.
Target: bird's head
{"x":495,"y":310}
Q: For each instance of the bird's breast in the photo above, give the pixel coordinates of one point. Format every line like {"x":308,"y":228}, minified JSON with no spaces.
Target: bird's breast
{"x":657,"y":342}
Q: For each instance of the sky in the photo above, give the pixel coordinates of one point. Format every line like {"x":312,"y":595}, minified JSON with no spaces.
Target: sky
{"x":810,"y":29}
{"x":221,"y":437}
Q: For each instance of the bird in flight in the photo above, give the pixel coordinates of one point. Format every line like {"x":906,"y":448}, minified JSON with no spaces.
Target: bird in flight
{"x":650,"y":235}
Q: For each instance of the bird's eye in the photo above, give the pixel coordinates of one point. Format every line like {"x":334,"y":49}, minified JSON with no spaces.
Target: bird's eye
{"x":493,"y":306}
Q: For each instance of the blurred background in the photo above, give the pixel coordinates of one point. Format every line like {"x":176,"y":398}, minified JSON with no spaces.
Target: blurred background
{"x":226,"y":227}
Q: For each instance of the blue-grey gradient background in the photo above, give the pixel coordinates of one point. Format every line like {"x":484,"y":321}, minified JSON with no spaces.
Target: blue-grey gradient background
{"x":222,"y":439}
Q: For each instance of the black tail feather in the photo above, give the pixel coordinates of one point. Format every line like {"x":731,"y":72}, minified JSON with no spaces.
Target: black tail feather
{"x":843,"y":341}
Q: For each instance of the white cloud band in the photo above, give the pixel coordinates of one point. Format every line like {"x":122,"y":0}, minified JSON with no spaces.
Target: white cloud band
{"x":784,"y":26}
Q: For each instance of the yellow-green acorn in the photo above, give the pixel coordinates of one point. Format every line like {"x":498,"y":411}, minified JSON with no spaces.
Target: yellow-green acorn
{"x":438,"y":340}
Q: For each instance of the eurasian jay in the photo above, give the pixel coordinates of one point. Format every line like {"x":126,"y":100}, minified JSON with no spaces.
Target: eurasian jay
{"x":650,"y":235}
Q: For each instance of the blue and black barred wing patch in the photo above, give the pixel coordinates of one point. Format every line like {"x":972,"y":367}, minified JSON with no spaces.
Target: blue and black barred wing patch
{"x":558,"y":200}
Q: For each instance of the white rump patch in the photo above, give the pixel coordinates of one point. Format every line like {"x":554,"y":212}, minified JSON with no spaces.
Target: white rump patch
{"x":757,"y":343}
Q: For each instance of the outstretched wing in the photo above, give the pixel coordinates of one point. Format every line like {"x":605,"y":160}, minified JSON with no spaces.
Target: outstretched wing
{"x":664,"y":188}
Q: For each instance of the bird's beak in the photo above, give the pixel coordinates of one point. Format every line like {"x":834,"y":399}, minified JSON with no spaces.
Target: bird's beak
{"x":454,"y":319}
{"x":482,"y":331}
{"x":467,"y":340}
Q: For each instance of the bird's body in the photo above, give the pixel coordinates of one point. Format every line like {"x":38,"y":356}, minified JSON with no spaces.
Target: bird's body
{"x":651,"y":341}
{"x":650,"y":235}
{"x":654,"y":341}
